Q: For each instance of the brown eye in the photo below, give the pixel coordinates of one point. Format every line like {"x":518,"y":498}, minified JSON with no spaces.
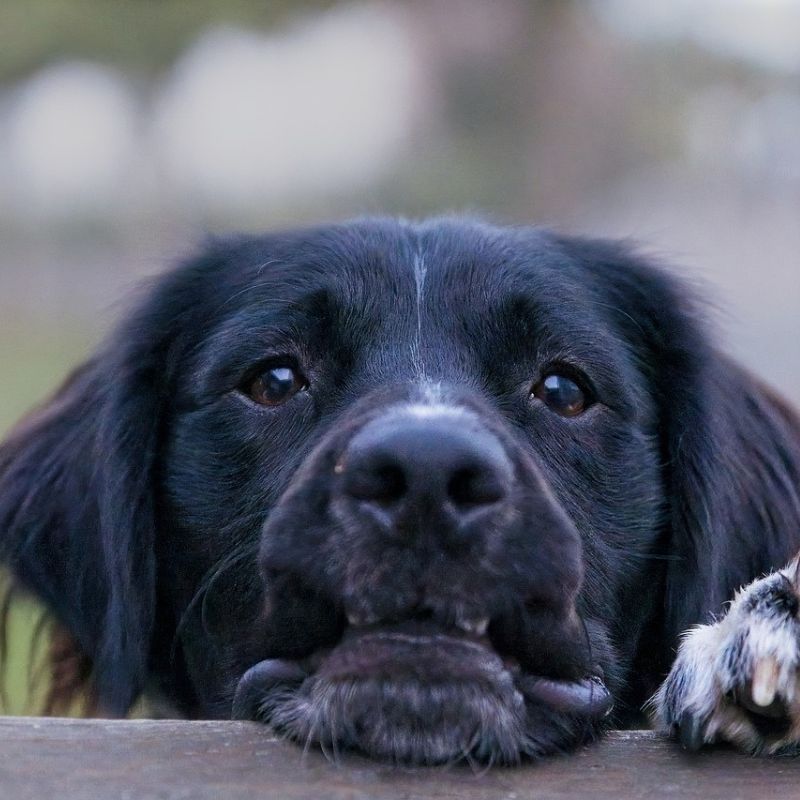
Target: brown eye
{"x":562,"y":395}
{"x":276,"y":385}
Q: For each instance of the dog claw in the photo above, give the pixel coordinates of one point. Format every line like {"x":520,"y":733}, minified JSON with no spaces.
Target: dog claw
{"x":765,"y":681}
{"x":690,"y":732}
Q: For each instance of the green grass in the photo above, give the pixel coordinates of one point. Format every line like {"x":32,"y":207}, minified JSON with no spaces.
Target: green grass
{"x":33,"y":362}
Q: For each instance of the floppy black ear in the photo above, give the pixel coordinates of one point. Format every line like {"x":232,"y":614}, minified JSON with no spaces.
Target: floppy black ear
{"x":77,"y":504}
{"x":730,"y":448}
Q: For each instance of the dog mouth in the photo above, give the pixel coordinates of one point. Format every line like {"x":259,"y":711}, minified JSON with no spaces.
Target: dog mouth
{"x":420,"y":691}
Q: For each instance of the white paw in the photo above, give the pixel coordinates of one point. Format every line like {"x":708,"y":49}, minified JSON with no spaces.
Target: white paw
{"x":739,"y":680}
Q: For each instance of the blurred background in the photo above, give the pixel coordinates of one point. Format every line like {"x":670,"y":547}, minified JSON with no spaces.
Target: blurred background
{"x":128,"y":129}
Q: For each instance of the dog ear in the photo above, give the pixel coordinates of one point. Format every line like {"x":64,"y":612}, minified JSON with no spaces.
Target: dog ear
{"x":77,"y":501}
{"x":730,"y":449}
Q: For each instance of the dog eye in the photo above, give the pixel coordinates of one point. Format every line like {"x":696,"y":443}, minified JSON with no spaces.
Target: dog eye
{"x":275,"y":385}
{"x":561,"y":394}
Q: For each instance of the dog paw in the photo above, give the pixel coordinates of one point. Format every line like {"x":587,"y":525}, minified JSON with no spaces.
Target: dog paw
{"x":738,"y":680}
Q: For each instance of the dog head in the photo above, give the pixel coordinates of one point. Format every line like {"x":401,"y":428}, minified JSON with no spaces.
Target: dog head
{"x":427,"y":490}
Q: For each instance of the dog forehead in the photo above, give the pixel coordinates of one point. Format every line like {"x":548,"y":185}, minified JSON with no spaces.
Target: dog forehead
{"x":391,"y":270}
{"x":443,"y":300}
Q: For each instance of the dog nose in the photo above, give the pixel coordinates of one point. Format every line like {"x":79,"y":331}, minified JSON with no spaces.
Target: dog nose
{"x":413,"y":473}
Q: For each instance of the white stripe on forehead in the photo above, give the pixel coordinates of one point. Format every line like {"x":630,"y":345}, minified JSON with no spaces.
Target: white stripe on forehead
{"x":420,"y":273}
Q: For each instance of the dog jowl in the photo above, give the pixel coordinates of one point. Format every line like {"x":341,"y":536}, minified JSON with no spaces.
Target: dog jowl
{"x":430,"y":491}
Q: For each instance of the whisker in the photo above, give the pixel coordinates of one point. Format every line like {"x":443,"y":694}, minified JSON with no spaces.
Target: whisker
{"x":588,"y":640}
{"x":310,"y":738}
{"x":239,"y":554}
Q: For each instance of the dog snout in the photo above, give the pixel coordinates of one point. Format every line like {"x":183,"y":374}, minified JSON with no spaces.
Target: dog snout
{"x":416,"y":473}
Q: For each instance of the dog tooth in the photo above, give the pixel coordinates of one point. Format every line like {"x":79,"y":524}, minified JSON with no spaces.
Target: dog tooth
{"x":765,"y":681}
{"x":360,"y":619}
{"x":477,"y":627}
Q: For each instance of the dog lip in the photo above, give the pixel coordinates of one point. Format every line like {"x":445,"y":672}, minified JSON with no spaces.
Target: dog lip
{"x":409,"y":651}
{"x":257,"y":682}
{"x":477,"y":626}
{"x":395,"y":636}
{"x":588,"y":697}
{"x":421,"y":632}
{"x":422,"y":649}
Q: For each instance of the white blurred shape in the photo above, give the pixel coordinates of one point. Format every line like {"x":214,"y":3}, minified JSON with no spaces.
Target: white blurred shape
{"x":725,"y":129}
{"x":764,"y":32}
{"x":769,"y":137}
{"x":711,"y":117}
{"x":324,"y":107}
{"x":71,"y":139}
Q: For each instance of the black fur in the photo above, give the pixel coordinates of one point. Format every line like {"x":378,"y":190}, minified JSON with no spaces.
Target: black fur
{"x":184,"y":534}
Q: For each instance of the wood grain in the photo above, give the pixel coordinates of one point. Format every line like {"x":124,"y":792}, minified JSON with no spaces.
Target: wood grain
{"x":44,"y":759}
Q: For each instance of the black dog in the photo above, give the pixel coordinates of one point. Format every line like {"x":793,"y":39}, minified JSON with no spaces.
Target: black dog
{"x":431,"y":491}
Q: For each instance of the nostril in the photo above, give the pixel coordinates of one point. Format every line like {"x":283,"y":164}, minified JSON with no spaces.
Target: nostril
{"x":385,"y":484}
{"x":470,"y":487}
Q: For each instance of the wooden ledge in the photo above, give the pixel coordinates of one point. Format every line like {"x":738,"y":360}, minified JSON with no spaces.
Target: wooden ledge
{"x":59,"y":759}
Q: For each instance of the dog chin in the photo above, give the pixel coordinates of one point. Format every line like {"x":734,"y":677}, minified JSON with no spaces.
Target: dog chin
{"x":422,"y":698}
{"x":414,"y":693}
